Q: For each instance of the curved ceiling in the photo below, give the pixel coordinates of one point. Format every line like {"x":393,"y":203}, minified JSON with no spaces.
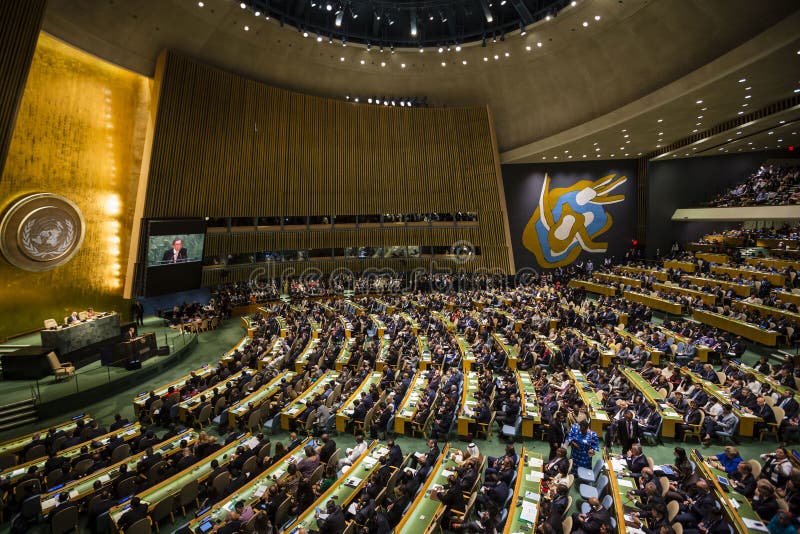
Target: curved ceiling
{"x":406,"y":23}
{"x":594,"y":59}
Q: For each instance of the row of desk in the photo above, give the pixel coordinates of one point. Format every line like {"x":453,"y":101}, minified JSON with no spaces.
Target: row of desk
{"x":743,"y":290}
{"x":706,"y":298}
{"x":668,"y":415}
{"x":740,"y":328}
{"x":593,"y":287}
{"x":776,"y":279}
{"x":654,"y":302}
{"x":15,"y":445}
{"x":617,"y":280}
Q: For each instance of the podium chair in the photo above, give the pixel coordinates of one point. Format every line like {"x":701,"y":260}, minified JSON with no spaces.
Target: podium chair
{"x":60,"y":370}
{"x":50,"y":323}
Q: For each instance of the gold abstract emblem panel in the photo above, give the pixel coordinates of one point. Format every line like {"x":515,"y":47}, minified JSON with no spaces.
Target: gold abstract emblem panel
{"x":39,"y":232}
{"x":569,"y":220}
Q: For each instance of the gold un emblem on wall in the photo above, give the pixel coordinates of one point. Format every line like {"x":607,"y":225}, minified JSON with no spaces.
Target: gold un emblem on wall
{"x":40,"y":232}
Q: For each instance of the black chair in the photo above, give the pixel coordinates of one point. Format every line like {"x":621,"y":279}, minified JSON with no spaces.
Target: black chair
{"x":66,"y":520}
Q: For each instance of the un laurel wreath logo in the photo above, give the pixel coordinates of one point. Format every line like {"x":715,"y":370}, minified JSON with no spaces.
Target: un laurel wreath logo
{"x":40,"y":232}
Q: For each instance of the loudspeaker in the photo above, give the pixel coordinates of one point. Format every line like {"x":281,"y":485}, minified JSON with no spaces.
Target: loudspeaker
{"x":163,"y":350}
{"x":133,"y":365}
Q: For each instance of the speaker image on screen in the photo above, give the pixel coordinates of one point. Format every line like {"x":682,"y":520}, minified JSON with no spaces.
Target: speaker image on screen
{"x":174,"y":255}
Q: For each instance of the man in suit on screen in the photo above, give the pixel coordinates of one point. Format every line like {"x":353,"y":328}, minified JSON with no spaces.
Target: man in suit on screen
{"x":176,"y":254}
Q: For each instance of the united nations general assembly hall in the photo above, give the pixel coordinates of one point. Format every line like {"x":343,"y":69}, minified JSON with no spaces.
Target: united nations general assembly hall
{"x":399,"y":266}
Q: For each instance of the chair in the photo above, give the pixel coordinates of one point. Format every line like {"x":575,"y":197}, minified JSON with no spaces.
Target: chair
{"x":672,"y":510}
{"x":316,"y":476}
{"x":607,"y":502}
{"x":772,"y":428}
{"x":566,"y":525}
{"x":728,"y":436}
{"x":696,"y":431}
{"x":187,"y":495}
{"x":120,"y":452}
{"x":103,"y":523}
{"x":587,"y":491}
{"x":333,"y":461}
{"x":82,"y":467}
{"x":250,"y":465}
{"x":654,"y":436}
{"x":32,"y":508}
{"x":510,"y":431}
{"x":677,"y":528}
{"x":590,"y":475}
{"x":60,"y":370}
{"x":263,"y":452}
{"x":204,"y":417}
{"x":37,"y":451}
{"x":50,"y":323}
{"x":756,"y":467}
{"x":125,"y":488}
{"x":485,"y":429}
{"x":565,"y":513}
{"x":155,"y":409}
{"x":162,"y":509}
{"x":53,"y":478}
{"x":66,"y":520}
{"x":219,"y":483}
{"x":142,"y":526}
{"x":310,"y":420}
{"x":154,"y":473}
{"x":282,"y":513}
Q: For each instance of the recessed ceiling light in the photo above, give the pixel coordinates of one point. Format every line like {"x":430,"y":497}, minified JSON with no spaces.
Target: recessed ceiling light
{"x":797,"y":90}
{"x":539,"y":45}
{"x":742,"y":80}
{"x":200,"y":4}
{"x":597,"y":17}
{"x":342,"y":59}
{"x":247,"y":28}
{"x":660,"y":133}
{"x":363,"y":62}
{"x":528,"y":48}
{"x":782,"y":122}
{"x":584,"y":23}
{"x":544,"y":157}
{"x":595,"y":144}
{"x":739,"y":132}
{"x":402,"y":65}
{"x":624,"y":130}
{"x":574,"y":3}
{"x":694,"y":131}
{"x":740,"y":113}
{"x":698,"y":124}
{"x":305,"y":34}
{"x":566,"y":152}
{"x":660,"y":120}
{"x":496,"y":56}
{"x":319,"y":38}
{"x":770,"y":133}
{"x":699,"y":102}
{"x":748,"y":96}
{"x":444,"y":64}
{"x":464,"y":62}
{"x":597,"y":150}
{"x":243,"y":5}
{"x":699,"y":116}
{"x":583,"y":156}
{"x":506,"y":54}
{"x":626,"y":135}
{"x":458,"y":48}
{"x":258,"y":13}
{"x":485,"y":58}
{"x":383,"y":63}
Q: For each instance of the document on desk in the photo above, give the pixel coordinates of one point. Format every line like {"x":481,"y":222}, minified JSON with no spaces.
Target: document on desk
{"x":535,"y":462}
{"x":528,"y":513}
{"x":624,"y":482}
{"x":534,"y":476}
{"x":754,"y":524}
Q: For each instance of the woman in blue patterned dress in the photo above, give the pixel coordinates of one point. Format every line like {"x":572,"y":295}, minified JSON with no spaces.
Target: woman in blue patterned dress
{"x":584,"y":443}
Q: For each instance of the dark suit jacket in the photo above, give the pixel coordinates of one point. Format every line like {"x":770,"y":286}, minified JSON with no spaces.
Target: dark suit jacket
{"x":595,"y":519}
{"x":636,"y":463}
{"x":169,"y":254}
{"x":333,"y":524}
{"x":132,"y":516}
{"x":556,"y":434}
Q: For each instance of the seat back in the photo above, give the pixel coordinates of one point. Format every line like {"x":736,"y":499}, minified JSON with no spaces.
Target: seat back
{"x":220,"y":481}
{"x":37,"y":451}
{"x":65,"y":521}
{"x":282,"y":513}
{"x":83,"y":315}
{"x":672,"y":510}
{"x":607,"y":502}
{"x":120,"y":452}
{"x":598,"y":467}
{"x":602,"y":482}
{"x":142,"y":526}
{"x":250,"y":465}
{"x":756,"y":467}
{"x":52,"y":359}
{"x":50,"y":323}
{"x":205,"y":415}
{"x":162,"y":509}
{"x":188,"y":493}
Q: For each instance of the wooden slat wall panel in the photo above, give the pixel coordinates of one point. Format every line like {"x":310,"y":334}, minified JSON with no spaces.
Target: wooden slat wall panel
{"x":19,"y":31}
{"x":226,"y":146}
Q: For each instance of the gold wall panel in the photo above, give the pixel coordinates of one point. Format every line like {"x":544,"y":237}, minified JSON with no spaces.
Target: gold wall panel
{"x":80,"y":134}
{"x":228,"y":146}
{"x":18,"y":33}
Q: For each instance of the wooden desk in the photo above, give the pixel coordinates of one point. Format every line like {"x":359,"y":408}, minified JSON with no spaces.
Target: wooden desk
{"x":227,"y":358}
{"x":448,"y":324}
{"x":685,"y":266}
{"x":606,"y":354}
{"x":701,"y":351}
{"x":302,"y":361}
{"x":775,"y":263}
{"x":83,"y":487}
{"x":141,"y":398}
{"x":621,"y":499}
{"x":511,"y":353}
{"x":786,"y":296}
{"x":247,"y":493}
{"x":273,"y":356}
{"x":747,"y":421}
{"x":407,"y":409}
{"x":655,"y":354}
{"x":617,"y":280}
{"x":775,"y":279}
{"x":735,"y":516}
{"x":345,"y":353}
{"x":707,"y":298}
{"x":172,"y":485}
{"x":668,"y":415}
{"x":467,"y":402}
{"x":425,"y":512}
{"x":14,"y":445}
{"x":746,"y":330}
{"x":345,"y":413}
{"x":299,"y":405}
{"x":742,"y":290}
{"x":654,"y":302}
{"x":186,"y":407}
{"x":528,"y":402}
{"x":593,"y":287}
{"x":381,"y":361}
{"x":127,"y":433}
{"x":237,"y":411}
{"x":762,"y":378}
{"x":658,"y":275}
{"x":467,"y":356}
{"x":344,"y":490}
{"x":768,"y":311}
{"x":528,"y":484}
{"x":712,"y":257}
{"x":598,"y":416}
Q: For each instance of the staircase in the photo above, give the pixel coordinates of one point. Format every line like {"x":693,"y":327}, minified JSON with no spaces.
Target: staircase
{"x":18,"y":413}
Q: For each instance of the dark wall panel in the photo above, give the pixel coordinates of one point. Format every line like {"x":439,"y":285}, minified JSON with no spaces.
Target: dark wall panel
{"x":688,"y":183}
{"x":613,"y":224}
{"x":19,"y":30}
